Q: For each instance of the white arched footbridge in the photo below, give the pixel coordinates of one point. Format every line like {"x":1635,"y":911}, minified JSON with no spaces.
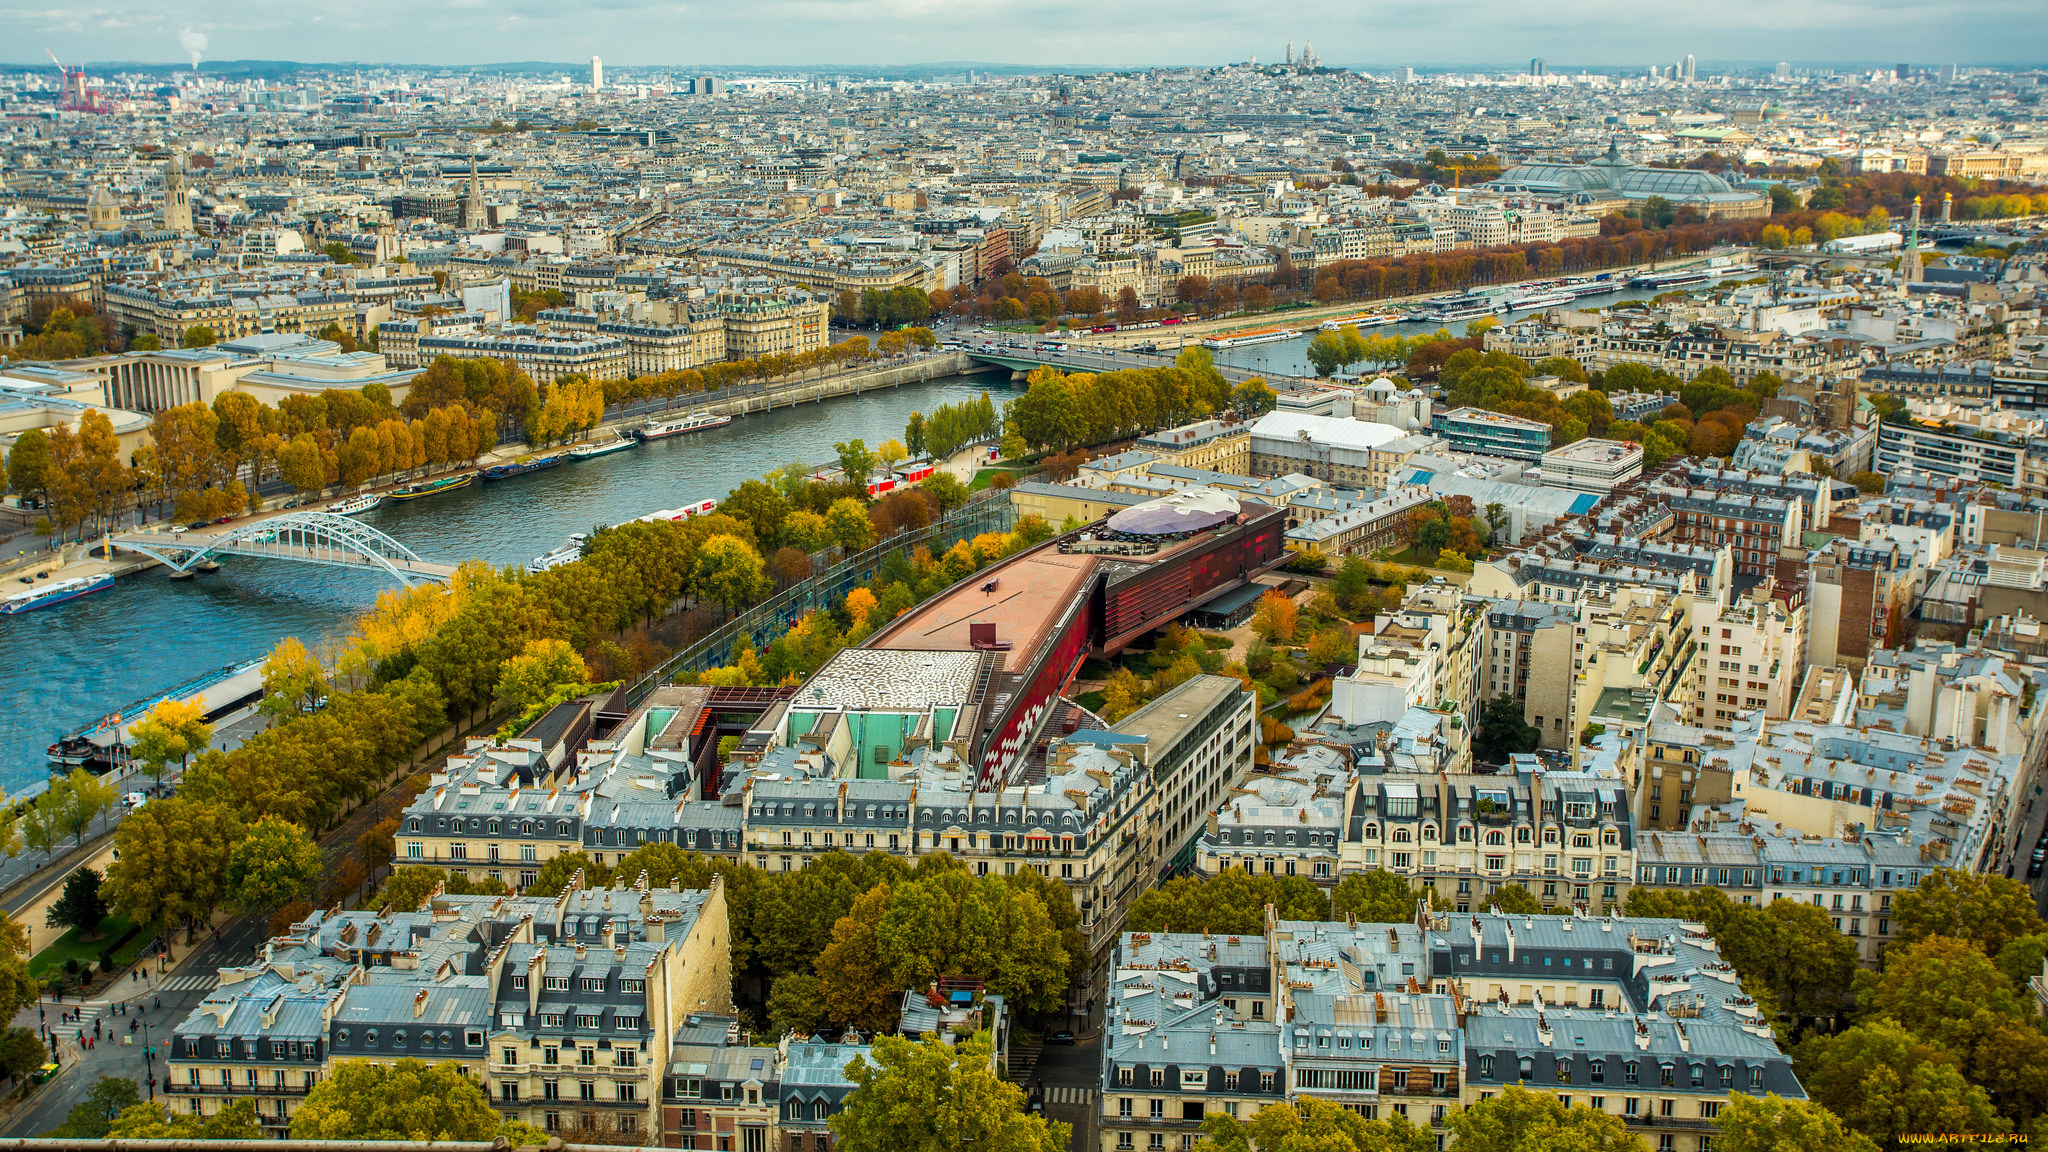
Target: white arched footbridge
{"x":306,"y":537}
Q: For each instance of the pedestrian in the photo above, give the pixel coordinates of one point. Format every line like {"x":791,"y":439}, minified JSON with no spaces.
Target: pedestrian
{"x":159,"y":1002}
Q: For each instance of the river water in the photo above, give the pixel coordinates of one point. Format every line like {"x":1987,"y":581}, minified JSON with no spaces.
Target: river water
{"x":80,"y":660}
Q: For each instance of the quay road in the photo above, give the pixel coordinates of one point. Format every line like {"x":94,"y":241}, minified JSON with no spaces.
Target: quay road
{"x":1033,"y":354}
{"x":153,"y":1004}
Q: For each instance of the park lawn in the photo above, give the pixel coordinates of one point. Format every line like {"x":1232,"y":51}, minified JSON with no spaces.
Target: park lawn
{"x":72,"y":943}
{"x":983,"y":478}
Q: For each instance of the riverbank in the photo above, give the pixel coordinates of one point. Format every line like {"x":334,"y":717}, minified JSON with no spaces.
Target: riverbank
{"x":1313,"y":316}
{"x":759,"y":400}
{"x":98,"y":653}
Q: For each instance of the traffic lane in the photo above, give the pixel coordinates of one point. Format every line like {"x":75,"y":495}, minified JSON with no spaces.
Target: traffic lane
{"x":1072,"y":1067}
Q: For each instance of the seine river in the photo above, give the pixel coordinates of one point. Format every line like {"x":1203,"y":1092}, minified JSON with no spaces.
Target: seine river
{"x":81,"y":660}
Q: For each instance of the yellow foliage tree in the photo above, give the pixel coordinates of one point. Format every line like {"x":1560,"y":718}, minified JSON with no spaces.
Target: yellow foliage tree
{"x":1275,"y":618}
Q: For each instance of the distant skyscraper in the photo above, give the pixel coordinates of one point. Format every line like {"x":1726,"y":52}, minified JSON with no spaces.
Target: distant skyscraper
{"x":1405,"y":75}
{"x":1783,"y":71}
{"x":1945,"y":73}
{"x":1536,"y":66}
{"x":596,"y":72}
{"x":1688,"y":68}
{"x":1902,"y":72}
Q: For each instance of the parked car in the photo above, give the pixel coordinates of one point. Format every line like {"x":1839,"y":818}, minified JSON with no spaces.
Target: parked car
{"x":1062,"y":1037}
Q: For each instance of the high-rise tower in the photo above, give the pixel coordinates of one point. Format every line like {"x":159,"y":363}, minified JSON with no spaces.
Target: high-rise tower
{"x":596,"y":73}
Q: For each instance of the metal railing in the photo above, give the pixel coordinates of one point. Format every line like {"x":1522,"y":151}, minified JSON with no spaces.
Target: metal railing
{"x":761,"y":623}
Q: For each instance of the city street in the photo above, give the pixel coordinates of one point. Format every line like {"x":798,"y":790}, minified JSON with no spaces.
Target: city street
{"x":180,"y":990}
{"x":1068,"y":1076}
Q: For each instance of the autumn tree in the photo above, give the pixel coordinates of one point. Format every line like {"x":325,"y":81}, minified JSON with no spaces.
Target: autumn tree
{"x":406,"y":1100}
{"x":171,"y":732}
{"x":173,"y":861}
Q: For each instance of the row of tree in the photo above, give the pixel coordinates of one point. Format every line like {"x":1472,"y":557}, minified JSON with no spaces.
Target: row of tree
{"x":1059,"y":411}
{"x":951,"y":427}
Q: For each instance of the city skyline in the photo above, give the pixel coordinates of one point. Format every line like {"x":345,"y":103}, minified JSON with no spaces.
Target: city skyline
{"x":912,"y":33}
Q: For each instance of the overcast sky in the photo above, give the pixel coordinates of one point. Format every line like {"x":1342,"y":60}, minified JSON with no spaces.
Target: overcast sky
{"x":1112,"y":33}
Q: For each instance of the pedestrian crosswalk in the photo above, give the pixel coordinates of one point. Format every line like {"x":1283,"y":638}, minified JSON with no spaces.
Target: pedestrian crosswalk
{"x":191,"y":983}
{"x":1070,"y":1095}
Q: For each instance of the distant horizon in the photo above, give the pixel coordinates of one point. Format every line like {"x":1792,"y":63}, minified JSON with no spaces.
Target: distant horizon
{"x":575,"y":67}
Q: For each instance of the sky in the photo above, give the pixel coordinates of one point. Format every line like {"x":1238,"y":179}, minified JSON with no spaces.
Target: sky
{"x":1099,"y":33}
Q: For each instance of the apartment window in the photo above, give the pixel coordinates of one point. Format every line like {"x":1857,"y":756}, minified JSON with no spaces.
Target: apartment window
{"x":586,"y":1090}
{"x":555,"y":983}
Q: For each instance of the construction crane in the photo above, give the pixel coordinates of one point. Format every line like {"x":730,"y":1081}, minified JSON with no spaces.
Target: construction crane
{"x":73,"y":95}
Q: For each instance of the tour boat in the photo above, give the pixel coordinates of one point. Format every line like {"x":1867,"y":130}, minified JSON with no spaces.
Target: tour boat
{"x":658,"y":428}
{"x":355,"y":504}
{"x":1244,"y":339}
{"x":1681,"y":278}
{"x":567,"y":554}
{"x":1364,"y":320}
{"x":56,"y":593}
{"x":686,"y":512}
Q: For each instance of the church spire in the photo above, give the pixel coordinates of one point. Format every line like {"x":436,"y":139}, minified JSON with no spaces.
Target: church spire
{"x":473,"y":207}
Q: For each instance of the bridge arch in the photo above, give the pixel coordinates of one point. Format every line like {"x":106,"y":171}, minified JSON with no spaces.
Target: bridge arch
{"x":308,"y":537}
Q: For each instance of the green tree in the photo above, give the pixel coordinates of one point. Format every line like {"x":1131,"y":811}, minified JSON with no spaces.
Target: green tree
{"x":1518,"y":1120}
{"x":975,"y":925}
{"x":1326,"y":352}
{"x":1503,"y":731}
{"x":28,"y":464}
{"x":80,"y":906}
{"x":1378,"y":896}
{"x":408,"y":1100}
{"x":1775,"y":1124}
{"x":274,"y":865}
{"x":17,"y":988}
{"x":923,"y":1096}
{"x":1988,"y":911}
{"x":93,"y":1117}
{"x":1515,"y":900}
{"x":1953,"y":994}
{"x":1308,"y":1124}
{"x":1231,"y":901}
{"x":199,"y":336}
{"x":762,"y":507}
{"x":1253,"y":398}
{"x":854,"y":978}
{"x":856,"y":462}
{"x":1884,"y":1081}
{"x":407,"y":888}
{"x":73,"y":802}
{"x":913,"y":434}
{"x":946,"y":489}
{"x":173,"y":861}
{"x":21,"y":1052}
{"x":533,"y":675}
{"x":237,"y":1121}
{"x":338,"y":252}
{"x":849,"y":523}
{"x":795,"y":1004}
{"x":555,"y":874}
